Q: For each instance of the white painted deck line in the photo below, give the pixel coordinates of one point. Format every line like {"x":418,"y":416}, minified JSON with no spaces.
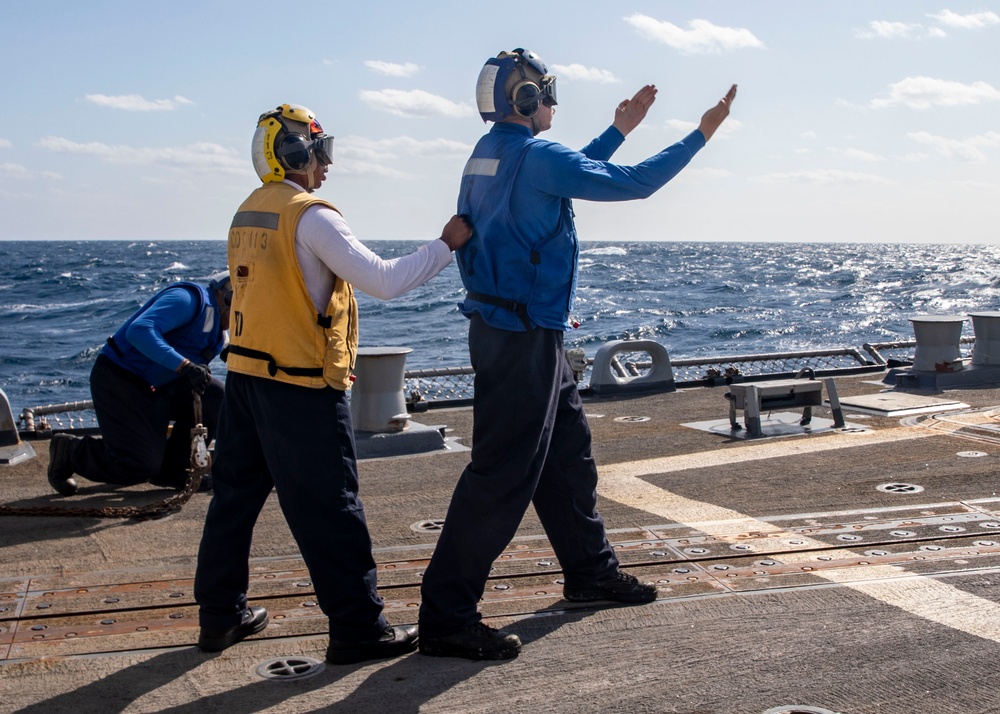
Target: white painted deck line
{"x":919,"y":595}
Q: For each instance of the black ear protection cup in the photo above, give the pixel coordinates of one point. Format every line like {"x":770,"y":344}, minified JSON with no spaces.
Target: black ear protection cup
{"x":293,"y":152}
{"x":525,"y":97}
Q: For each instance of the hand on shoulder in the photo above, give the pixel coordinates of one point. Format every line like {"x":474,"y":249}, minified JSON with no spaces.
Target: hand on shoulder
{"x":457,"y":232}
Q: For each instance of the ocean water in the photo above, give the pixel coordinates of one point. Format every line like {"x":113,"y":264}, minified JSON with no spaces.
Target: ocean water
{"x":60,"y":300}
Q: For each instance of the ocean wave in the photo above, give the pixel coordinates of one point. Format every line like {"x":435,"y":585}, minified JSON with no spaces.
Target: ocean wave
{"x":605,"y":250}
{"x":694,"y":298}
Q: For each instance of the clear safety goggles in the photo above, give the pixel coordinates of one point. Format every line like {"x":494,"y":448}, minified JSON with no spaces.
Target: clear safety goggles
{"x":322,"y":146}
{"x":548,"y":90}
{"x":547,"y":84}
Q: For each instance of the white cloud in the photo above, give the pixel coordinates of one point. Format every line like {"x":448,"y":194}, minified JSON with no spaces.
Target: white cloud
{"x":924,"y":92}
{"x":808,"y":134}
{"x":383,"y":149}
{"x":962,"y":149}
{"x":883,"y":29}
{"x":5,"y":144}
{"x":18,"y":171}
{"x":393,"y":69}
{"x":973,"y":21}
{"x":887,"y":30}
{"x":585,"y":74}
{"x":825,"y":177}
{"x":13,"y":170}
{"x":349,"y":167}
{"x":703,"y":37}
{"x":728,"y":128}
{"x":414,"y":103}
{"x":359,"y":156}
{"x":707,"y":173}
{"x":202,"y":157}
{"x":137,"y":103}
{"x":858,"y":155}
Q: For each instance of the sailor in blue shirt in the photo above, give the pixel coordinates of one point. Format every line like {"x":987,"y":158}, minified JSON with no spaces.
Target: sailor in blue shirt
{"x":142,"y":381}
{"x":531,"y":441}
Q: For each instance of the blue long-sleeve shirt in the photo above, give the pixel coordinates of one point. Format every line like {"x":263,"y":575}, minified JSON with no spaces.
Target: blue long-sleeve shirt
{"x":180,"y":322}
{"x":172,"y":309}
{"x":516,"y":189}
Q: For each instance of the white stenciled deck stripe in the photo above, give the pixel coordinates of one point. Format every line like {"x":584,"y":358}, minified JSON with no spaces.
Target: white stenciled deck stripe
{"x":919,"y":595}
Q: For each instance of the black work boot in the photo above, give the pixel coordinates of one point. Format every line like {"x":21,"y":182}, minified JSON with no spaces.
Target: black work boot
{"x":618,"y":587}
{"x":61,"y":464}
{"x":393,"y":641}
{"x":476,"y":641}
{"x":254,"y":620}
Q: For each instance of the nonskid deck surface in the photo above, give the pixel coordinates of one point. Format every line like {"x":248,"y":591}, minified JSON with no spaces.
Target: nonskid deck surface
{"x":852,"y":570}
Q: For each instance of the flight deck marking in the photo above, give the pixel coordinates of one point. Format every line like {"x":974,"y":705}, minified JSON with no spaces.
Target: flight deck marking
{"x":917,"y":594}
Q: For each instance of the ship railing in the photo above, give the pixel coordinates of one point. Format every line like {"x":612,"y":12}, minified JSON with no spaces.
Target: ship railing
{"x":893,"y":354}
{"x":454,"y":386}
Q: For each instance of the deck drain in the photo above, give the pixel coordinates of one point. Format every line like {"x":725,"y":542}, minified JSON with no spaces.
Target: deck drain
{"x":795,"y":709}
{"x":288,"y":668}
{"x":632,"y":419}
{"x":433,"y":525}
{"x":899,"y":488}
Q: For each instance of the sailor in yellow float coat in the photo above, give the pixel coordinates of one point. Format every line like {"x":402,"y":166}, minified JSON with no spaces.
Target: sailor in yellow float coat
{"x":286,"y":422}
{"x":277,"y":332}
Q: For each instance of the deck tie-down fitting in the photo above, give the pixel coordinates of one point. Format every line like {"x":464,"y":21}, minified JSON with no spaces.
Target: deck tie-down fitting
{"x":756,"y":397}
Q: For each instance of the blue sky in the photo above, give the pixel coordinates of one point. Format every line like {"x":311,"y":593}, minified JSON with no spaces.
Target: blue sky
{"x":855,"y":121}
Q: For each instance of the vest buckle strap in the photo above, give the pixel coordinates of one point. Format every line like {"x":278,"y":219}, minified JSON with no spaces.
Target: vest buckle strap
{"x":518,"y":308}
{"x":272,"y":366}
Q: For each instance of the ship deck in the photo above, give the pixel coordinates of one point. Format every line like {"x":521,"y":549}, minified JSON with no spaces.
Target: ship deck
{"x":850,"y":570}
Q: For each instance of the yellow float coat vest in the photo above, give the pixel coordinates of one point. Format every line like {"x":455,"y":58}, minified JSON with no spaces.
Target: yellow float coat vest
{"x":274,"y":329}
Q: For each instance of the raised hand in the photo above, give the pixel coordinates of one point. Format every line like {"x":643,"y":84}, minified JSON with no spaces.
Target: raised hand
{"x":713,"y":118}
{"x":631,"y":112}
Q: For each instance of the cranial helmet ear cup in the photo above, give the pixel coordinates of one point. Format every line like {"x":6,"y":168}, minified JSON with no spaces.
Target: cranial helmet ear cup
{"x":525,"y":98}
{"x":293,"y":152}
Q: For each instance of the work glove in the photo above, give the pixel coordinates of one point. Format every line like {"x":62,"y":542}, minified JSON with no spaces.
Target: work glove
{"x":198,"y":375}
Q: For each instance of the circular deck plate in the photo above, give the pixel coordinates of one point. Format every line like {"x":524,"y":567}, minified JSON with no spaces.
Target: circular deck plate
{"x":900,"y":488}
{"x":289,"y":668}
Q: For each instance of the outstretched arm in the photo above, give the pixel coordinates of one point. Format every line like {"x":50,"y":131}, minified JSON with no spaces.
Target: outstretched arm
{"x":631,"y":112}
{"x":713,"y":118}
{"x":628,"y":115}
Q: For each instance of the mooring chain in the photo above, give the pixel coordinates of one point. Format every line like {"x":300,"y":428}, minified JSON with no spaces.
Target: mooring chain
{"x":201,"y":465}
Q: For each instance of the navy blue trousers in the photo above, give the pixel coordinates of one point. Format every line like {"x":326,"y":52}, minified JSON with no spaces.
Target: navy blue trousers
{"x":134,"y":447}
{"x":299,"y":441}
{"x":530,"y":444}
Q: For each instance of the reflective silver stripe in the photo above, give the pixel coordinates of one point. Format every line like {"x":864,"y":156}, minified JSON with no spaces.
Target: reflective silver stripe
{"x":255,"y":219}
{"x":482,"y":167}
